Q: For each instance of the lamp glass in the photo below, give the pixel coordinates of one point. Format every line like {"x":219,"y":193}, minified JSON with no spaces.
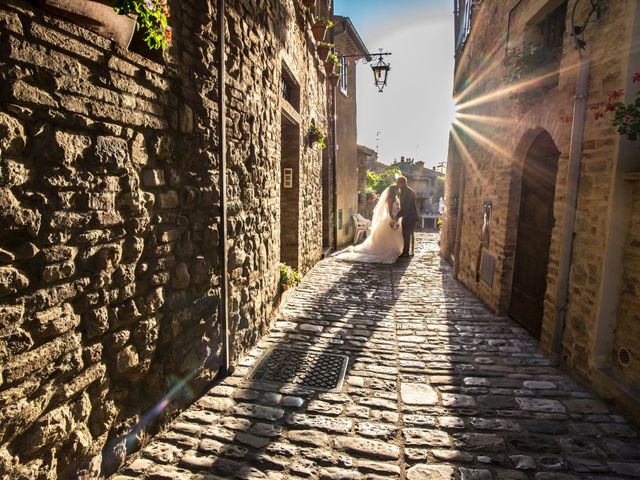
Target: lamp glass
{"x":380,"y":72}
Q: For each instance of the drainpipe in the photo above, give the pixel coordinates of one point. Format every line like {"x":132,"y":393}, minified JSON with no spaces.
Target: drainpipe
{"x":573,"y":178}
{"x":334,"y":167}
{"x":331,"y":93}
{"x":223,"y":312}
{"x":456,"y":247}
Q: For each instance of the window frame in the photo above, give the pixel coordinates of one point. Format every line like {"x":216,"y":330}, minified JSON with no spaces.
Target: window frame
{"x":344,"y":75}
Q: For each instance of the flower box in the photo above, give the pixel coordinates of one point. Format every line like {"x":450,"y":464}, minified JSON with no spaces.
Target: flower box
{"x":318,"y":32}
{"x":323,"y":50}
{"x":328,"y":68}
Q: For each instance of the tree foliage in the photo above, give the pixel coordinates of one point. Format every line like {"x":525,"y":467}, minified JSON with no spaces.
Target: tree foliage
{"x":377,"y":182}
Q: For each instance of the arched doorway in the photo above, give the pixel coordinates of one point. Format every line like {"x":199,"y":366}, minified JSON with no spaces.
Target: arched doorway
{"x":535,"y":223}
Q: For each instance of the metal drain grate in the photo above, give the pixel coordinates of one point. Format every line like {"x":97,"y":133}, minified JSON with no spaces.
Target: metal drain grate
{"x":317,"y":371}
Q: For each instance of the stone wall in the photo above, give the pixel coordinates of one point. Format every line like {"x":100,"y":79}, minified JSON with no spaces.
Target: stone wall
{"x":628,"y":326}
{"x":109,"y":213}
{"x":491,"y":141}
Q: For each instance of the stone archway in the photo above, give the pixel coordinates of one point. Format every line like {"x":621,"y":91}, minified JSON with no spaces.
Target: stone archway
{"x":534,"y":228}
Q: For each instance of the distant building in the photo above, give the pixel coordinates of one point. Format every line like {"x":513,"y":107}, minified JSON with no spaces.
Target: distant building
{"x":366,"y":157}
{"x":423,"y":181}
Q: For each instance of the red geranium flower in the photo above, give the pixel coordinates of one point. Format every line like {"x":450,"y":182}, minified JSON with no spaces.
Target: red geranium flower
{"x":615,"y":95}
{"x":636,"y":77}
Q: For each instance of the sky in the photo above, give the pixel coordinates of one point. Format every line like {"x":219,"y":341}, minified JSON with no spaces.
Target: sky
{"x":415,"y":110}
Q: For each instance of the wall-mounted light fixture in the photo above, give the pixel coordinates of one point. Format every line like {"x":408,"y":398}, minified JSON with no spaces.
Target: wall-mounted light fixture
{"x":380,"y":68}
{"x":598,"y":8}
{"x":380,"y":71}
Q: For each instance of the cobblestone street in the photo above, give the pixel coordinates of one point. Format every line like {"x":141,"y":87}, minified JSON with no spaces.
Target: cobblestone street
{"x":436,"y":387}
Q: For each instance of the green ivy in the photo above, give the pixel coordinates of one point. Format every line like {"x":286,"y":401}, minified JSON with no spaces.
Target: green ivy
{"x":377,"y":182}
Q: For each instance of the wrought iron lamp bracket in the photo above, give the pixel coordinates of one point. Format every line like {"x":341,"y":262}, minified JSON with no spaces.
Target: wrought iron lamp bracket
{"x":598,"y":8}
{"x":380,"y":68}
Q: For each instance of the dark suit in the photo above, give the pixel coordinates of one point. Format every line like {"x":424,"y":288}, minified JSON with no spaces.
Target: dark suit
{"x":409,"y":214}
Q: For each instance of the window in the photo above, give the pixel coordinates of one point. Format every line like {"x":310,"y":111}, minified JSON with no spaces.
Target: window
{"x":344,"y":77}
{"x":289,"y":89}
{"x":464,"y":8}
{"x":552,"y":28}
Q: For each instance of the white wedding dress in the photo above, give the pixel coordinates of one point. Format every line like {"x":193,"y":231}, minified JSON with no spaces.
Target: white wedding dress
{"x":385,"y":244}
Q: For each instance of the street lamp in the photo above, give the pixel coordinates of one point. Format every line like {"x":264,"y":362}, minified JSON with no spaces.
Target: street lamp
{"x":380,"y":68}
{"x":380,"y":71}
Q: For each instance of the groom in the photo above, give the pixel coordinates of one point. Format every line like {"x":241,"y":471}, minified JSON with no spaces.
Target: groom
{"x":408,"y":212}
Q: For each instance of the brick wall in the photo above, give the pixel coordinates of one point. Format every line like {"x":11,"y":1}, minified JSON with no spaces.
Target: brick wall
{"x":109,"y":213}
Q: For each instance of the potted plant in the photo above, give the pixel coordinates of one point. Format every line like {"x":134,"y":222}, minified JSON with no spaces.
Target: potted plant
{"x":333,"y":79}
{"x":624,"y":117}
{"x":535,"y":64}
{"x":117,"y":19}
{"x":320,"y":28}
{"x":152,"y":18}
{"x":288,"y":277}
{"x":323,"y":50}
{"x":331,"y":63}
{"x":316,"y":136}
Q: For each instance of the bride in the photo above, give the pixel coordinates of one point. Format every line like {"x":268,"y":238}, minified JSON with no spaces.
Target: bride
{"x":385,"y":243}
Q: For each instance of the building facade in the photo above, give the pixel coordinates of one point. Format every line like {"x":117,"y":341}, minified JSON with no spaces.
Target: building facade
{"x":112,"y":245}
{"x":427,"y":183}
{"x":542,"y":196}
{"x":350,"y":48}
{"x":366,"y":156}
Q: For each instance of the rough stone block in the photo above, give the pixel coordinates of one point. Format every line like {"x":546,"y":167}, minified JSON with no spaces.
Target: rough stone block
{"x":37,"y":359}
{"x":58,"y":271}
{"x":127,"y":359}
{"x":12,"y":173}
{"x":368,"y":448}
{"x":95,"y":321}
{"x":181,"y":277}
{"x":432,"y":472}
{"x":55,"y":321}
{"x":50,"y":429}
{"x":153,"y":178}
{"x":12,"y":343}
{"x":12,"y":281}
{"x":70,"y":149}
{"x":58,"y":253}
{"x":24,"y":92}
{"x":10,"y":316}
{"x":112,"y":151}
{"x":11,"y":22}
{"x":14,"y":218}
{"x":186,"y":118}
{"x":169,"y":200}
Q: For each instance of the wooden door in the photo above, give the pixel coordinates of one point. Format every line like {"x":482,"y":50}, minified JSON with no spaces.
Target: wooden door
{"x":535,"y":223}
